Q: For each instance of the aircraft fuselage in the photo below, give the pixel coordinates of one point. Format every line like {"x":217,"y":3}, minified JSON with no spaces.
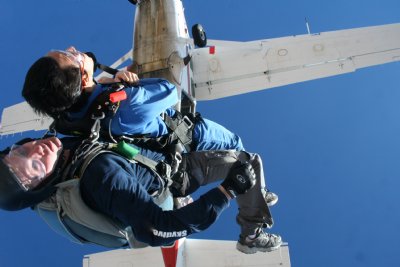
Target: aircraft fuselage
{"x":161,"y":41}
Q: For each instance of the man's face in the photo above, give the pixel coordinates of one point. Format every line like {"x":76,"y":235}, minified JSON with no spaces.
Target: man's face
{"x":73,"y":57}
{"x":34,"y":161}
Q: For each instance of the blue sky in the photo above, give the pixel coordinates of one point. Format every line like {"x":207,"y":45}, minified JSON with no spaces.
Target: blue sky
{"x":330,"y":146}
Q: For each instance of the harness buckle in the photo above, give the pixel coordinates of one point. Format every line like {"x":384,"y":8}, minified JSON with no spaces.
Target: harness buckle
{"x":166,"y":170}
{"x":176,"y":161}
{"x":95,"y":130}
{"x":187,"y":121}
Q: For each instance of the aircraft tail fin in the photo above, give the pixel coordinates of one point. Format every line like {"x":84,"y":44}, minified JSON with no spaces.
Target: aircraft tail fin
{"x":20,"y":118}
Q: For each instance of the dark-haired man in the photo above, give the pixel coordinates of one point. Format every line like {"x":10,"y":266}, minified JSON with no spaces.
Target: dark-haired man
{"x":62,"y":83}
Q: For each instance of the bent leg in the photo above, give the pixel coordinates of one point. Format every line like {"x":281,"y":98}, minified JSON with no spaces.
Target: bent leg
{"x":253,"y":209}
{"x":204,"y":167}
{"x":201,"y":168}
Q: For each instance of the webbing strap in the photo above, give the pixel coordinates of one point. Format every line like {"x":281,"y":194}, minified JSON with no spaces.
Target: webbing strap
{"x":157,"y":168}
{"x":182,"y":128}
{"x":161,"y":169}
{"x":107,"y":69}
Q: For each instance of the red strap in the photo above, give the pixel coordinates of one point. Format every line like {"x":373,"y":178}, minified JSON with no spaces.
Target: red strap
{"x":118,"y":96}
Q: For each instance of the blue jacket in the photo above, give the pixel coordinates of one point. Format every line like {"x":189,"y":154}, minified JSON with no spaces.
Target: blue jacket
{"x":140,"y":114}
{"x":120,"y":189}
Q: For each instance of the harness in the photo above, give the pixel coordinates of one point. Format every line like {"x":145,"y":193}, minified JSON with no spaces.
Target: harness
{"x":67,"y":214}
{"x":102,"y":111}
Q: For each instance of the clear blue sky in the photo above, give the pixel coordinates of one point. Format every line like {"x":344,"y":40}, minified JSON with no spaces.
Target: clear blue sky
{"x":331,"y":147}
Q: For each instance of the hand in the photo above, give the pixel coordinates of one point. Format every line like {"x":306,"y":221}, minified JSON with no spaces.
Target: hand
{"x":126,"y":76}
{"x":123,"y":75}
{"x":240,"y":179}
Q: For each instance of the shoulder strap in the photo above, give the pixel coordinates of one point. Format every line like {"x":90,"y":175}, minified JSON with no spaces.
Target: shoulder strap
{"x":71,"y":203}
{"x":68,"y":215}
{"x":90,"y":149}
{"x":161,"y":169}
{"x":105,"y":104}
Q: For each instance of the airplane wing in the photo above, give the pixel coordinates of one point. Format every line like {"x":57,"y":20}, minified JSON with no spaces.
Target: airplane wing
{"x":21,"y":117}
{"x":191,"y":253}
{"x":231,"y":69}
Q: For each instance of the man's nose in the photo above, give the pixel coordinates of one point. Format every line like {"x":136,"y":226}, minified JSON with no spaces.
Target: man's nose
{"x":71,"y":49}
{"x":35,"y":151}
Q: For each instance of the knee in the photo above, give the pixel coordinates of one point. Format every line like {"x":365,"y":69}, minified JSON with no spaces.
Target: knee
{"x":253,"y":158}
{"x":256,"y":157}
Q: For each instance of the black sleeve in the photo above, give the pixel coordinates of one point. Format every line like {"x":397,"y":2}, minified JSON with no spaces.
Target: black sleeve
{"x":115,"y":187}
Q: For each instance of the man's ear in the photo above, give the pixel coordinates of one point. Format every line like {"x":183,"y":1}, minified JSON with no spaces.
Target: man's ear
{"x":85,"y":79}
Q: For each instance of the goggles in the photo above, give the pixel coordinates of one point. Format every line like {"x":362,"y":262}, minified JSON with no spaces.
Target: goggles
{"x":74,"y":56}
{"x":28,"y":171}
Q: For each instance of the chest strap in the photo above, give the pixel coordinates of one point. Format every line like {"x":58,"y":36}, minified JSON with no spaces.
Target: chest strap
{"x":89,"y":150}
{"x":182,"y":129}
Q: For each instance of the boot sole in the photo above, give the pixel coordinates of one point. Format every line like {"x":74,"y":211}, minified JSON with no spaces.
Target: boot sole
{"x":251,"y":250}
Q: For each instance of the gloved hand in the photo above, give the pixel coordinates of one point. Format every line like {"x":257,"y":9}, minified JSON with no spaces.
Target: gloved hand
{"x":240,"y":179}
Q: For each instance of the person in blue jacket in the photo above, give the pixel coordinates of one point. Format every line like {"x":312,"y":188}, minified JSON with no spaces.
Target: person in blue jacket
{"x":122,"y":190}
{"x":63,"y":81}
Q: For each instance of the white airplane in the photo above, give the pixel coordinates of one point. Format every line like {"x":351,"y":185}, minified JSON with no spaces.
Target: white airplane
{"x":162,"y":47}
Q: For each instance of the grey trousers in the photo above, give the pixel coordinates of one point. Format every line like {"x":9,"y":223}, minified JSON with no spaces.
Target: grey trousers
{"x":204,"y":167}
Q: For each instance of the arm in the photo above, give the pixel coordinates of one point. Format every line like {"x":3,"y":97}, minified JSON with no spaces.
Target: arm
{"x":152,"y":97}
{"x":140,"y":113}
{"x":117,"y":188}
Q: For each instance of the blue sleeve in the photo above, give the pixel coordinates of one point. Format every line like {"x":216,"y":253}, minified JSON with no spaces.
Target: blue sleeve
{"x":120,"y":190}
{"x":144,"y":104}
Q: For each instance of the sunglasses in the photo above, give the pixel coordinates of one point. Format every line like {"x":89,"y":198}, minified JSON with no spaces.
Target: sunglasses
{"x":38,"y":169}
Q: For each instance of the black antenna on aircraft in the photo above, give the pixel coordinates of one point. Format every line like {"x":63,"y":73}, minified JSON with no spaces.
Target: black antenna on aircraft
{"x":308,"y":26}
